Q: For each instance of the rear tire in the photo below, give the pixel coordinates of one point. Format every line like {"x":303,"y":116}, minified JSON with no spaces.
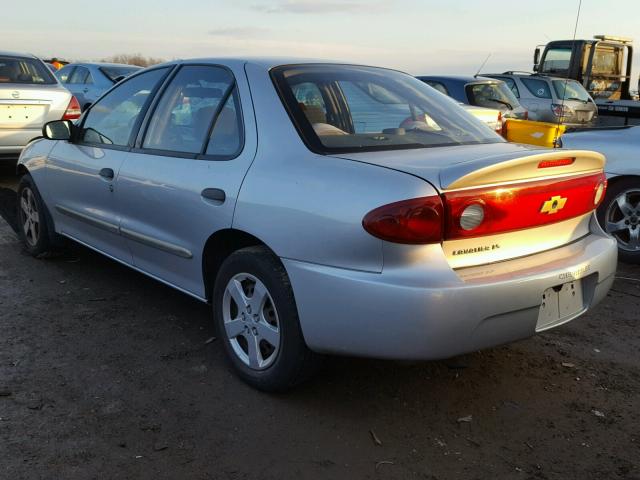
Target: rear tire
{"x":257,"y":318}
{"x":619,"y":216}
{"x":33,"y":219}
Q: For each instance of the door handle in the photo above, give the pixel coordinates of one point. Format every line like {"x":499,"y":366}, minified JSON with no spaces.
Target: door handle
{"x":215,"y":195}
{"x":107,"y":173}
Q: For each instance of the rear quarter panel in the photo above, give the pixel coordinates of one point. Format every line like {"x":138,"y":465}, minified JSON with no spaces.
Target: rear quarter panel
{"x":310,"y":207}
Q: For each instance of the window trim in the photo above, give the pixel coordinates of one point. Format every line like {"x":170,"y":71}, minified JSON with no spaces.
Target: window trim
{"x":142,"y":132}
{"x":136,"y":126}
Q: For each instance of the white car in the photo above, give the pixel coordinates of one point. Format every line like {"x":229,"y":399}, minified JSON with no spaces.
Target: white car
{"x":30,"y":96}
{"x":619,"y":213}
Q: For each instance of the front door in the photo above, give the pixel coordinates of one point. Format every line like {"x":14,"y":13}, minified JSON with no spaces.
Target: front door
{"x":82,"y":174}
{"x":180,"y":185}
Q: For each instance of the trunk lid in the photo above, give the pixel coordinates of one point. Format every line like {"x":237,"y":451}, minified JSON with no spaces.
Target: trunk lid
{"x":30,"y":106}
{"x":536,"y":201}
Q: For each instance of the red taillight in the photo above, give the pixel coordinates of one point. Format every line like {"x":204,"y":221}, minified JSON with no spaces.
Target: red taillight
{"x":73,"y":110}
{"x":559,"y":162}
{"x":521,"y":205}
{"x":415,"y":221}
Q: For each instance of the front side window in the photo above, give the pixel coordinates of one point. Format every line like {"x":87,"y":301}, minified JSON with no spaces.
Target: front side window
{"x":25,"y":71}
{"x":112,"y":120}
{"x":511,"y":83}
{"x":556,"y":60}
{"x":339,"y":108}
{"x":197,"y":97}
{"x":538,"y":88}
{"x":64,"y":73}
{"x":491,"y":95}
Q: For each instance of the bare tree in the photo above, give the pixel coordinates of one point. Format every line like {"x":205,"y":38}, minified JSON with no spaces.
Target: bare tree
{"x":133,"y":59}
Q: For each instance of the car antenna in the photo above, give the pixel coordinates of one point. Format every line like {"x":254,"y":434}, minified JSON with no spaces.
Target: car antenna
{"x":566,"y":81}
{"x":482,"y":66}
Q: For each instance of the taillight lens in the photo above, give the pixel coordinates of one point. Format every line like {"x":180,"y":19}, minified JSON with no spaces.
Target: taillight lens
{"x":521,"y":205}
{"x":415,"y":221}
{"x":73,"y":110}
{"x":560,"y":110}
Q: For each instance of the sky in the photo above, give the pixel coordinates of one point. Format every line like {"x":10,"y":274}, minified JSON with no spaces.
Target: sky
{"x":417,"y":36}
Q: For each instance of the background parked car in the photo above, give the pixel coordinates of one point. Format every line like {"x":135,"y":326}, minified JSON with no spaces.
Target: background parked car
{"x":619,"y":213}
{"x":542,"y":97}
{"x":30,"y":96}
{"x":479,"y":91}
{"x":87,"y":81}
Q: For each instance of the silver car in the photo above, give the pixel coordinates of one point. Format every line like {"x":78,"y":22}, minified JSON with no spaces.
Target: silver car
{"x":619,"y":213}
{"x":549,"y":99}
{"x":323,"y":209}
{"x":30,"y":96}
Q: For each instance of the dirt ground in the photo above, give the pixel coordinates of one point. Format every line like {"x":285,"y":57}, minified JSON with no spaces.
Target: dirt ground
{"x":105,"y":373}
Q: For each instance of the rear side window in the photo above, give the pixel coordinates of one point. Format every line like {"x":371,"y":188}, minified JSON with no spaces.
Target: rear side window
{"x":538,"y":88}
{"x":199,"y":103}
{"x":112,"y":120}
{"x":80,"y":76}
{"x":25,"y":71}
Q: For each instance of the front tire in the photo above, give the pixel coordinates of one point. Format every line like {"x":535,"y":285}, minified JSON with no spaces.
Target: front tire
{"x":619,"y":216}
{"x":33,"y":227}
{"x":257,"y":318}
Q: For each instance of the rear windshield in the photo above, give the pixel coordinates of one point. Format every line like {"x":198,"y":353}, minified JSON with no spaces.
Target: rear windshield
{"x":492,"y":95}
{"x":572,"y":91}
{"x":25,"y":71}
{"x":118,"y":73}
{"x":339,"y":108}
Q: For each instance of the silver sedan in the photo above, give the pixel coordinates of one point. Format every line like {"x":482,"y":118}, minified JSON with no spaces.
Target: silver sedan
{"x":323,"y":209}
{"x":30,"y":95}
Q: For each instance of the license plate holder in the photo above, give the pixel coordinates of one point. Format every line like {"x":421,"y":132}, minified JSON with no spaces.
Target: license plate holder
{"x":560,"y":303}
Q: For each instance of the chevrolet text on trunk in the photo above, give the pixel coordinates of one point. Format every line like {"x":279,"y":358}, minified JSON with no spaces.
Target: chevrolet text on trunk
{"x":323,"y":209}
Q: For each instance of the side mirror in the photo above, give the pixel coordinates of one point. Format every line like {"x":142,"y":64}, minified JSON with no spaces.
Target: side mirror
{"x":57,"y":130}
{"x":536,"y":59}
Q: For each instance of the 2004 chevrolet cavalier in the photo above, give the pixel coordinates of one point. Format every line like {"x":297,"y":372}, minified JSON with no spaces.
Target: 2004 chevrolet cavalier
{"x":323,"y":208}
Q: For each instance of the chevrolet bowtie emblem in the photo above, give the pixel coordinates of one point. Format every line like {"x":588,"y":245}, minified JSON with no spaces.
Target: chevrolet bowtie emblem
{"x":553,"y":205}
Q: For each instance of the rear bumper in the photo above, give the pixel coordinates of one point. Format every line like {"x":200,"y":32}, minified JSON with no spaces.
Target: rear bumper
{"x":388,"y":316}
{"x":13,"y":141}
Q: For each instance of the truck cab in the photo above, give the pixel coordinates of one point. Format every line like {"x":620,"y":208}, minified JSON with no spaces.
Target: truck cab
{"x":602,"y":65}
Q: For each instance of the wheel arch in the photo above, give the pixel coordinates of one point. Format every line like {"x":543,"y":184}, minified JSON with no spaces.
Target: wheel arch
{"x":218,"y":247}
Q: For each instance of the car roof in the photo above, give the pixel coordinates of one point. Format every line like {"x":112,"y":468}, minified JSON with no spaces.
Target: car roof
{"x":267,"y":62}
{"x":102,"y":64}
{"x":6,"y":53}
{"x":528,"y":74}
{"x":464,"y":79}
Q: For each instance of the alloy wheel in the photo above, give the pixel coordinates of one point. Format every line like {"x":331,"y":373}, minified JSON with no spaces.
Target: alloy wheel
{"x":251,"y":321}
{"x":29,"y":216}
{"x":622,"y":220}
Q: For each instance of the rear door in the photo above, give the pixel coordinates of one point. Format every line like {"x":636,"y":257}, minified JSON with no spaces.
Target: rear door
{"x":181,"y":183}
{"x":82,"y":176}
